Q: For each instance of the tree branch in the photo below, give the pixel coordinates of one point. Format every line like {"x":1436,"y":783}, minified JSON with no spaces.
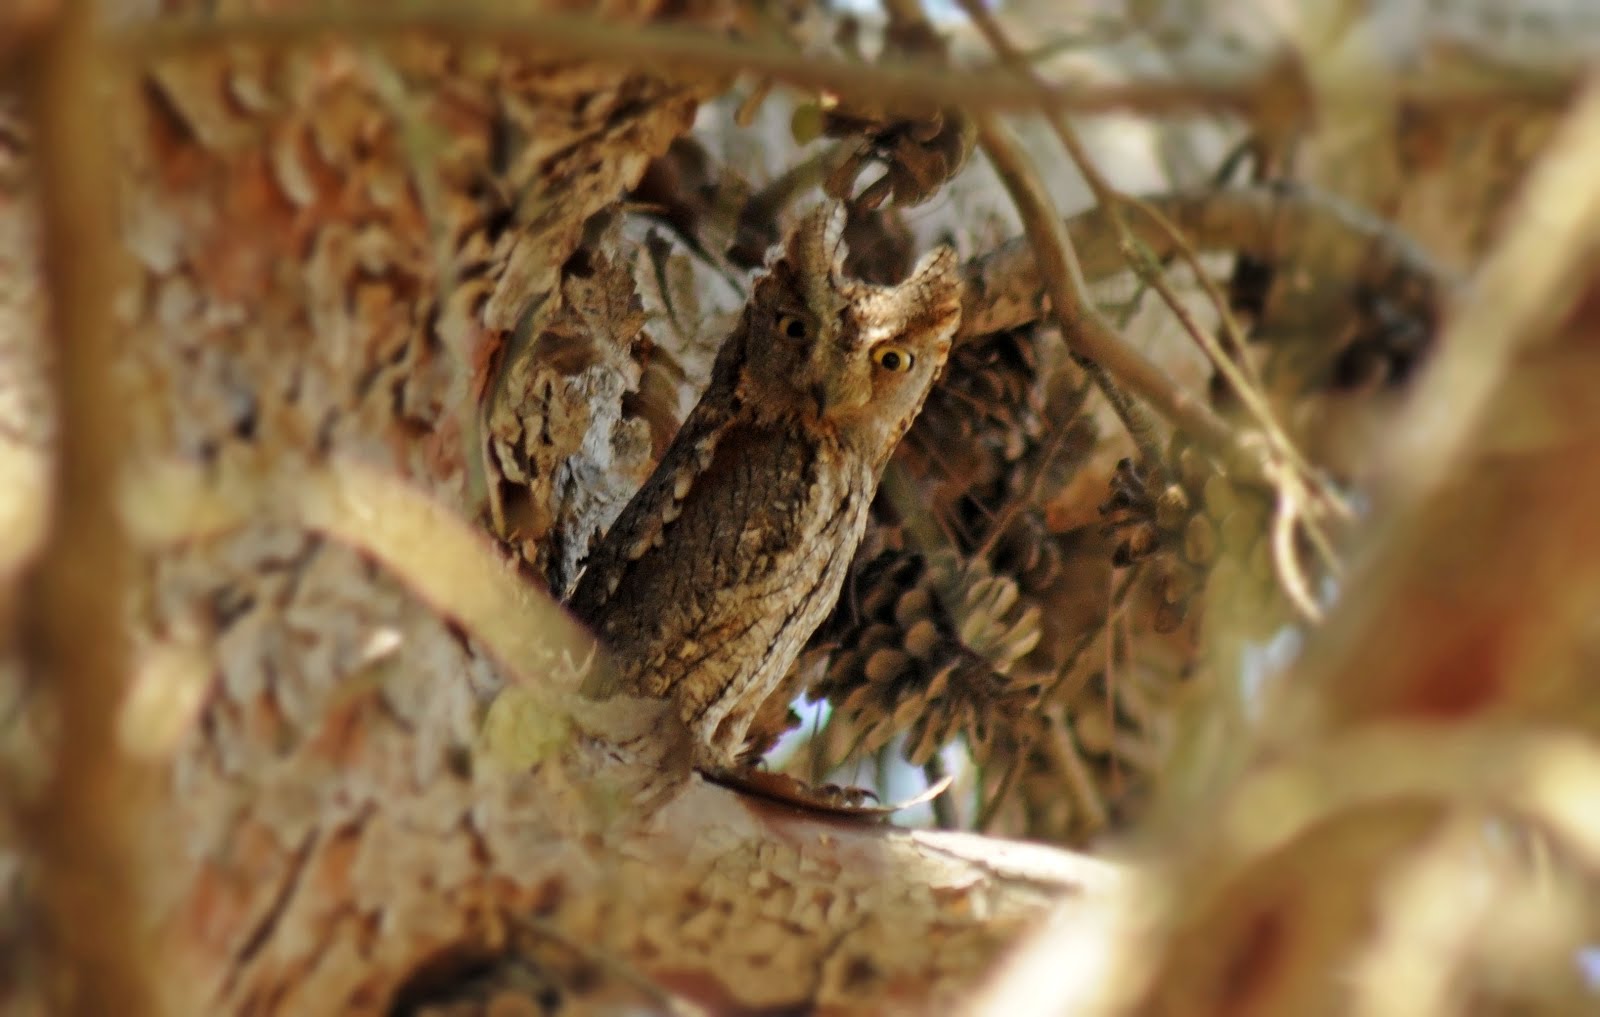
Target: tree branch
{"x":79,"y":614}
{"x":1004,"y":288}
{"x":1085,"y":329}
{"x":898,"y":84}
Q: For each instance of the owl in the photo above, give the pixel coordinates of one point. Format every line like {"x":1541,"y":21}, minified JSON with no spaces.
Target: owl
{"x":718,"y":570}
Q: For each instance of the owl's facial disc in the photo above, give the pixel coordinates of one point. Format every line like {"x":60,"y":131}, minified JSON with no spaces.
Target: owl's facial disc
{"x":857,"y":356}
{"x":837,"y":372}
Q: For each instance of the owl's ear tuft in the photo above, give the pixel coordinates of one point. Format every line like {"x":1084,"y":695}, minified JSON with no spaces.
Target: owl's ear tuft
{"x":816,"y":245}
{"x":811,"y":261}
{"x":937,"y":277}
{"x":928,"y":304}
{"x":938,"y":263}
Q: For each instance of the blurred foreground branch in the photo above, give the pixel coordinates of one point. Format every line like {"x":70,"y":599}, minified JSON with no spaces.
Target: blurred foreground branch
{"x":1439,"y":733}
{"x":909,"y":85}
{"x":78,"y":615}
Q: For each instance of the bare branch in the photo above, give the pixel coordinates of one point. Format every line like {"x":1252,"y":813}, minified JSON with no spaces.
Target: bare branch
{"x":1004,"y":288}
{"x":903,"y":84}
{"x":682,"y":50}
{"x":1086,"y":331}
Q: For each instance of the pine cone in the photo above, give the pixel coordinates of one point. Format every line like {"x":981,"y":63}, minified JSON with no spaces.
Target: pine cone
{"x":918,"y":154}
{"x":1029,"y":553}
{"x":919,"y":150}
{"x":1068,"y":574}
{"x":1158,"y":522}
{"x":1184,"y":525}
{"x":929,"y":650}
{"x":979,"y":425}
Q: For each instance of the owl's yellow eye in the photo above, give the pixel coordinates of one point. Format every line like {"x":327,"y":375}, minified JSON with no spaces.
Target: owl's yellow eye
{"x":893,"y":358}
{"x":794,"y":326}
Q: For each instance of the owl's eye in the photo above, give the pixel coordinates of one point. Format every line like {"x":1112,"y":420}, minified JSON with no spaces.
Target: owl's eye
{"x":893,"y":358}
{"x":794,"y":326}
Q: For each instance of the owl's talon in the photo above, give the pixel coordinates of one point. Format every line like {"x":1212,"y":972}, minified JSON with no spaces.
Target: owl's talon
{"x":831,"y":799}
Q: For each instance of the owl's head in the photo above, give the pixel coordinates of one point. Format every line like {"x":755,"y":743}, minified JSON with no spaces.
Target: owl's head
{"x":856,"y":358}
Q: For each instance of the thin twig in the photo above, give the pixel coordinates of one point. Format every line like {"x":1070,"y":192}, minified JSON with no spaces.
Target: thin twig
{"x":1239,"y":377}
{"x":1134,"y":419}
{"x":1085,"y":329}
{"x":1004,"y":287}
{"x":1290,"y":575}
{"x":1294,"y":473}
{"x":1055,"y":271}
{"x":1187,"y":254}
{"x":79,"y":612}
{"x":1064,"y":276}
{"x":1107,"y":196}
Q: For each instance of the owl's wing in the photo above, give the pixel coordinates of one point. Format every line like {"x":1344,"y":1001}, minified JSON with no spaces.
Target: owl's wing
{"x":644,"y":519}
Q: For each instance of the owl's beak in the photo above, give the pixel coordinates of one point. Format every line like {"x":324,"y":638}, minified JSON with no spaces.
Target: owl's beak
{"x":819,"y":395}
{"x":834,"y":393}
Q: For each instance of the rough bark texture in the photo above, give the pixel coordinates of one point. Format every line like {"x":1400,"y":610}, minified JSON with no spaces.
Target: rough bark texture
{"x":293,"y":215}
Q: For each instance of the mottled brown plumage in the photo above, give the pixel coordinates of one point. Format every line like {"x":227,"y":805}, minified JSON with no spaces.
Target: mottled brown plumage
{"x":733,"y":552}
